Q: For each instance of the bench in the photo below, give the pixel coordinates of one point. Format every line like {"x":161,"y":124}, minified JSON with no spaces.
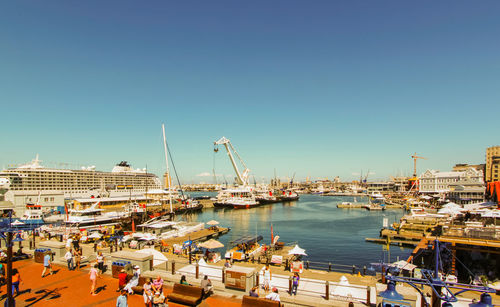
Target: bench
{"x":250,"y":301}
{"x":138,"y":289}
{"x":187,"y":295}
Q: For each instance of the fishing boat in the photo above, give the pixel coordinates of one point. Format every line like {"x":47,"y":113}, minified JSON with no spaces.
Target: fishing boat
{"x":289,"y":195}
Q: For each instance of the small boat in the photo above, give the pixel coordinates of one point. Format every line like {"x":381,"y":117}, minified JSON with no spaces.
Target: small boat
{"x":289,"y":195}
{"x":33,"y":214}
{"x":244,"y":248}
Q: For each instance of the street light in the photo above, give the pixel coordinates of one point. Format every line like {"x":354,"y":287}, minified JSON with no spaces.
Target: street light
{"x":390,"y":293}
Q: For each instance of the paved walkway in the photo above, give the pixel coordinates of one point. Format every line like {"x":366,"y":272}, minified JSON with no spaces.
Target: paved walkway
{"x":72,"y":288}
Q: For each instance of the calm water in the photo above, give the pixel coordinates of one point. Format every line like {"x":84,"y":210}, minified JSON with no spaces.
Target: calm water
{"x":327,"y":233}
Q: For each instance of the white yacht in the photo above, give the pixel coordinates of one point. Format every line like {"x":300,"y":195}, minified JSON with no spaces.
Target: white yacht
{"x":92,"y":216}
{"x":242,"y":197}
{"x":162,"y":228}
{"x":33,"y":214}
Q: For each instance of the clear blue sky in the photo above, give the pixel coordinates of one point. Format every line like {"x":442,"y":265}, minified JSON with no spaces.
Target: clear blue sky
{"x":321,"y":88}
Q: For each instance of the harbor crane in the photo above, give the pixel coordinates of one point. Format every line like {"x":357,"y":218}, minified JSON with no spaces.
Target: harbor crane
{"x":415,"y":157}
{"x":241,"y":178}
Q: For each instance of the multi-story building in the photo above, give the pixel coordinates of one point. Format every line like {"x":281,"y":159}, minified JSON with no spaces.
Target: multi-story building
{"x":466,"y":191}
{"x":492,"y":164}
{"x":435,"y":182}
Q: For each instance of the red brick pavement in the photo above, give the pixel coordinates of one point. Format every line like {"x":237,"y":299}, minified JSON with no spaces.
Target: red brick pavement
{"x":72,"y":289}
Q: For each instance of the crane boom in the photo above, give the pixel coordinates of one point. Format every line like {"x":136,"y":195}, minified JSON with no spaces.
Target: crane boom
{"x":242,"y":178}
{"x":415,"y":157}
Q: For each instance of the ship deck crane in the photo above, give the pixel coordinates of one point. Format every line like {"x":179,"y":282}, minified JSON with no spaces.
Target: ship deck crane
{"x":241,"y":178}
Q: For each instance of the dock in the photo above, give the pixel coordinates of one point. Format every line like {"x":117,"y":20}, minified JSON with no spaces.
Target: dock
{"x":198,"y":236}
{"x":393,"y":242}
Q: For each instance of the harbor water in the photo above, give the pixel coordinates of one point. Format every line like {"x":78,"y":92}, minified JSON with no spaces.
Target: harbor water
{"x":327,"y":233}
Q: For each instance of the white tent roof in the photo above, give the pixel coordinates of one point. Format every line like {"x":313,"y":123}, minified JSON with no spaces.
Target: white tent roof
{"x":343,"y":288}
{"x":158,"y":257}
{"x":297,"y":251}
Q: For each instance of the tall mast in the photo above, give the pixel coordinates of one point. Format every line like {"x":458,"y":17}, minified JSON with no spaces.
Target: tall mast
{"x":168,"y":169}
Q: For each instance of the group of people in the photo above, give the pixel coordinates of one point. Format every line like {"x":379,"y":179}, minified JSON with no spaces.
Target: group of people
{"x":274,"y":295}
{"x":16,"y":278}
{"x":152,"y":290}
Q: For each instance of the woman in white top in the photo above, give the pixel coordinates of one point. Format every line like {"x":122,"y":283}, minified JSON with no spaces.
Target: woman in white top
{"x":267,"y":278}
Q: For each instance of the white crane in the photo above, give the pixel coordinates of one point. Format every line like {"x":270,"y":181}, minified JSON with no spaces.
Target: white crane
{"x":242,"y":178}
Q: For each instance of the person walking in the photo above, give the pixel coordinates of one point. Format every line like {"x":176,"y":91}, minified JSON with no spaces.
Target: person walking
{"x":16,"y":280}
{"x":78,"y":258}
{"x":295,"y":283}
{"x":267,"y":278}
{"x":47,"y":264}
{"x":94,"y":273}
{"x":121,"y":301}
{"x":69,"y":259}
{"x":100,"y":262}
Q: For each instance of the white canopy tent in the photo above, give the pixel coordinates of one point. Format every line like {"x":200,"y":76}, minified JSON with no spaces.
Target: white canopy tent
{"x":158,"y":257}
{"x":297,"y":251}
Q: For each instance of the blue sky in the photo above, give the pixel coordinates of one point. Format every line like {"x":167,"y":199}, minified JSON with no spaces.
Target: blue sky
{"x":320,"y":88}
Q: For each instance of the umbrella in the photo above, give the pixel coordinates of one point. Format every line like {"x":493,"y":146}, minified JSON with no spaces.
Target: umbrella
{"x":211,"y":244}
{"x":158,"y":257}
{"x":297,"y":251}
{"x":212,"y":223}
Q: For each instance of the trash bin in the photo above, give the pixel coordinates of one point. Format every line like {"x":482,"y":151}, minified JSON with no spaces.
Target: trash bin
{"x":117,"y":266}
{"x":40,"y":254}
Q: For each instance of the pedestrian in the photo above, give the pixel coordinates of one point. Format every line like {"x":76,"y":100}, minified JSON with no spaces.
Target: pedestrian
{"x":253,"y":292}
{"x":227,"y":264}
{"x":16,"y":279}
{"x":157,"y":284}
{"x":47,"y":264}
{"x":94,"y":273}
{"x":78,"y":258}
{"x":134,"y":281}
{"x":273,"y":296}
{"x":206,"y":284}
{"x":267,"y":278}
{"x":122,"y":280}
{"x":2,"y":274}
{"x":295,"y":283}
{"x":69,"y":259}
{"x":121,"y":301}
{"x":100,"y":262}
{"x":147,"y":292}
{"x":158,"y":299}
{"x":184,"y":281}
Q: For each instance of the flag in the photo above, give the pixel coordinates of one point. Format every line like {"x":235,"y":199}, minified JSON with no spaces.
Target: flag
{"x":66,"y":210}
{"x":133,"y":226}
{"x":272,"y":235}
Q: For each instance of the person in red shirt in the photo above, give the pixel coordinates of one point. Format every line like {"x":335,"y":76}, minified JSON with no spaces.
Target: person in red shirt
{"x":122,"y":280}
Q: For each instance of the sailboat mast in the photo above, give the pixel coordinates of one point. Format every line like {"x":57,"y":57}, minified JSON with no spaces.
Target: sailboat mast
{"x":168,"y":169}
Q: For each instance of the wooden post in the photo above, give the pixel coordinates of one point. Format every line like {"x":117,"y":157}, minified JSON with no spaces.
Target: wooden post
{"x":327,"y":292}
{"x":353,"y":269}
{"x":173,"y":267}
{"x":329,"y":266}
{"x":307,"y":265}
{"x":166,"y":265}
{"x":364,"y":270}
{"x":197,"y":271}
{"x":436,"y":301}
{"x":224,"y":275}
{"x":95,"y":247}
{"x":383,"y":274}
{"x":368,"y":290}
{"x":290,"y":285}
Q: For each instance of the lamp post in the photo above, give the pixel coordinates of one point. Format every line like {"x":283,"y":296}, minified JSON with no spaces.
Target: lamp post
{"x":431,"y":279}
{"x":6,"y":232}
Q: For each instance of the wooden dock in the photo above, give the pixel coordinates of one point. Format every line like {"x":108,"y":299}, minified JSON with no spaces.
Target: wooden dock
{"x":198,"y":236}
{"x":393,"y":242}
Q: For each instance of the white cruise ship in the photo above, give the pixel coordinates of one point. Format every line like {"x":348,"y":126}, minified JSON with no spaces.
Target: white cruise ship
{"x":84,"y":183}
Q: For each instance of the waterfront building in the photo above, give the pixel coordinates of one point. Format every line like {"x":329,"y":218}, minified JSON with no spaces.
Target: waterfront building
{"x":466,"y":191}
{"x":492,"y":164}
{"x":32,"y":178}
{"x":50,"y":200}
{"x":436,"y":182}
{"x":380,"y":187}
